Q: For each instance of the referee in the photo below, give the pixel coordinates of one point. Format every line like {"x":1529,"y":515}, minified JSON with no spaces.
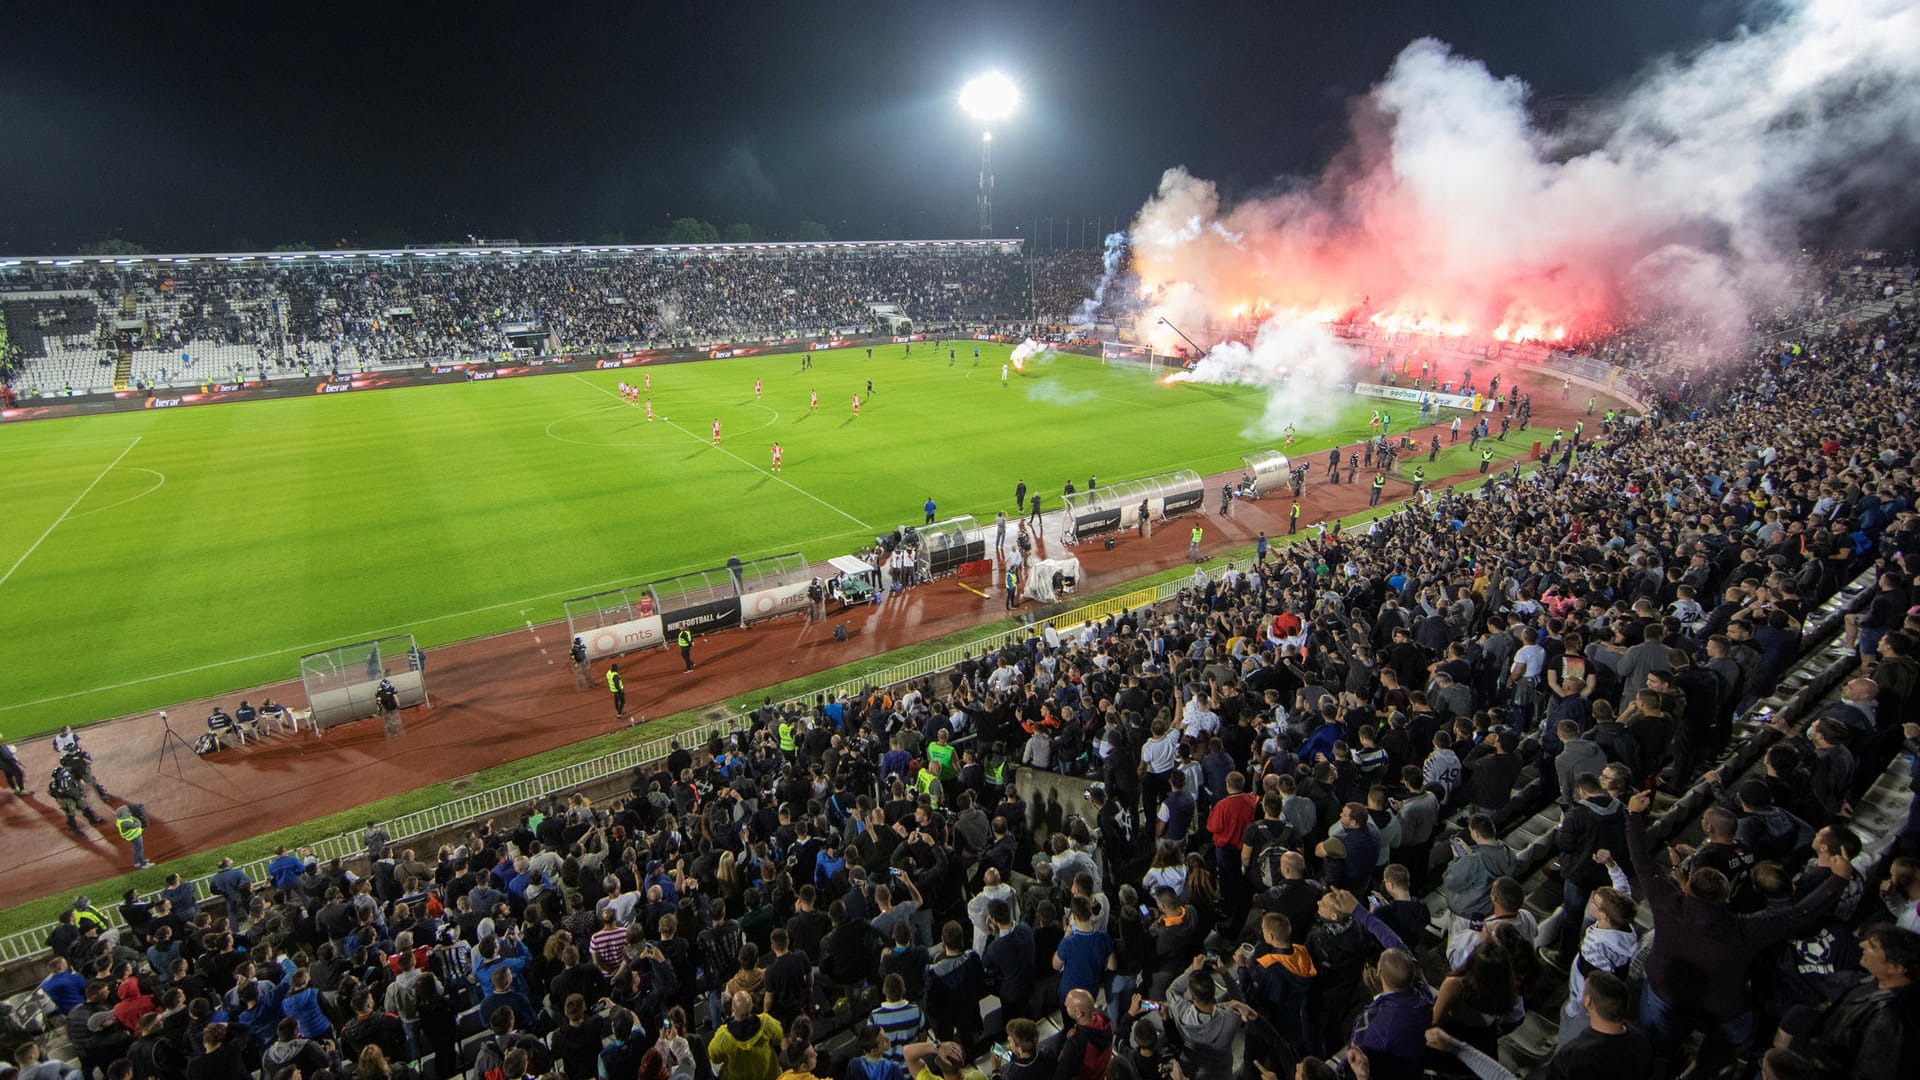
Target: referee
{"x":619,"y":687}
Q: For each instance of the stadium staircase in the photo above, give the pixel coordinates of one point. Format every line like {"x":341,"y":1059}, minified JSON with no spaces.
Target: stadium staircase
{"x":122,"y":355}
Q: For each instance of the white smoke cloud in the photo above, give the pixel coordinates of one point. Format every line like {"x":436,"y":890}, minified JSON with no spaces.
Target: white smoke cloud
{"x":1300,"y":363}
{"x":1452,"y":213}
{"x":1031,"y":351}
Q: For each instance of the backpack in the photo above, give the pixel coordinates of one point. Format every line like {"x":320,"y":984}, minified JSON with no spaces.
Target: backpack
{"x":206,"y":744}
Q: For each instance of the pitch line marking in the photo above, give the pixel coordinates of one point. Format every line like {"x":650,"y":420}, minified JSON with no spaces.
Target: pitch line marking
{"x":130,"y":498}
{"x":365,"y":634}
{"x":639,"y":445}
{"x":776,"y":476}
{"x":4,"y":578}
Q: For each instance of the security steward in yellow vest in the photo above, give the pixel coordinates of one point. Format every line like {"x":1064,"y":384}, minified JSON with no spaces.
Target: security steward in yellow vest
{"x":685,"y":641}
{"x":127,"y":820}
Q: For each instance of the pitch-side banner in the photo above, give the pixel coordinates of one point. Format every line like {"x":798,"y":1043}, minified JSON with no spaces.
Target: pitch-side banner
{"x":780,"y":600}
{"x":700,"y":618}
{"x":1472,"y":403}
{"x":625,"y":637}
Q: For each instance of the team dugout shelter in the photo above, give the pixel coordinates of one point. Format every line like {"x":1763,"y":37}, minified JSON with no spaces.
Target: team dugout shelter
{"x":642,"y":616}
{"x":1117,"y":506}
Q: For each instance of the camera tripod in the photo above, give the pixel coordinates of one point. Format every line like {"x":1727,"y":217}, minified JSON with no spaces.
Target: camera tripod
{"x":170,"y":742}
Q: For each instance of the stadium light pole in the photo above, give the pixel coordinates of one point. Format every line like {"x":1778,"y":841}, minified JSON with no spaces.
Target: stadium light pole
{"x":988,"y":99}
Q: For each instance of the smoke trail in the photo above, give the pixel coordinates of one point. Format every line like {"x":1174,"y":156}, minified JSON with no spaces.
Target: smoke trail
{"x":1030,"y":350}
{"x":1451,"y":213}
{"x":1110,"y":261}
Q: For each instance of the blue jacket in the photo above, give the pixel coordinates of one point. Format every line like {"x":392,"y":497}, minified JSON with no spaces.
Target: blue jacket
{"x":513,"y":956}
{"x":284,"y":871}
{"x":305,"y":1008}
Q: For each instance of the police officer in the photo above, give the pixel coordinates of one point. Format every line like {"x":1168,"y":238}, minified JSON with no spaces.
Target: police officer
{"x":578,"y":653}
{"x":1486,"y":461}
{"x":1146,"y":520}
{"x":70,"y":795}
{"x":1333,"y":464}
{"x":1379,"y":482}
{"x":10,"y":768}
{"x":127,"y":820}
{"x":619,"y":688}
{"x":685,"y":641}
{"x":388,"y":701}
{"x":1433,"y":453}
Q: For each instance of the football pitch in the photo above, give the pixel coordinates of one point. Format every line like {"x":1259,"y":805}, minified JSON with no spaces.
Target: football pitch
{"x":159,"y":556}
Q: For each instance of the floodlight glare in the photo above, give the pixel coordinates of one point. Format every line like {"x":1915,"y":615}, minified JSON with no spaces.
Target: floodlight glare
{"x":990,"y":97}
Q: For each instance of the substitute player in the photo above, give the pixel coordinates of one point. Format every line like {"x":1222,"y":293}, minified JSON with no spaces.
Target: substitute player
{"x":776,"y":457}
{"x":716,"y":432}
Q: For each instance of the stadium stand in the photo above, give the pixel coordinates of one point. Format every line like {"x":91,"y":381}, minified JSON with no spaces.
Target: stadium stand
{"x":184,"y":320}
{"x":1687,"y":593}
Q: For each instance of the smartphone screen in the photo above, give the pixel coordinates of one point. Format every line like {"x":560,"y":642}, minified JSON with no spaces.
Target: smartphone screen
{"x":1001,"y":1054}
{"x":1146,"y":912}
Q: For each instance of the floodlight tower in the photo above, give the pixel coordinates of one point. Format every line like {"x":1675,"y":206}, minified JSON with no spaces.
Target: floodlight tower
{"x":989,"y":98}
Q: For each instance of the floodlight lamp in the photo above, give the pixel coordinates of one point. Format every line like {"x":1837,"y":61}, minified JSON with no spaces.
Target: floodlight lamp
{"x":990,"y":97}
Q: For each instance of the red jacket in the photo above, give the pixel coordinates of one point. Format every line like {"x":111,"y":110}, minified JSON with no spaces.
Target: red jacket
{"x":1230,"y":818}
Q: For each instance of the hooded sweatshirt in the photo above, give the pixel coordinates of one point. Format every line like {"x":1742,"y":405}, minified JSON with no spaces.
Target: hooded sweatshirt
{"x":1469,"y":876}
{"x":1610,"y":951}
{"x":1590,"y":825}
{"x":747,"y":1049}
{"x":1769,"y":832}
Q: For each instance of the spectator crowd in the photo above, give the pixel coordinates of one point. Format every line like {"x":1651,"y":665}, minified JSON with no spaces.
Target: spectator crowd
{"x":1265,"y":831}
{"x":224,"y":319}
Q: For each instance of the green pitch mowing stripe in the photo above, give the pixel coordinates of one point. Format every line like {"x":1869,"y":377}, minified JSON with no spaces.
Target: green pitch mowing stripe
{"x":232,"y":538}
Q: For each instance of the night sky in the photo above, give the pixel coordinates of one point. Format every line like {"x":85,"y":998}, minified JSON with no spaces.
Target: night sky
{"x":217,"y":126}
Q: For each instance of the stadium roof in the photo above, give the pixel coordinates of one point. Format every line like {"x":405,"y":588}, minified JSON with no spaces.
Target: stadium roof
{"x":502,"y":251}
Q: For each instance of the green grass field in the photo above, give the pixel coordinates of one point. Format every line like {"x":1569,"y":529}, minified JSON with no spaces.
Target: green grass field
{"x":161,"y":556}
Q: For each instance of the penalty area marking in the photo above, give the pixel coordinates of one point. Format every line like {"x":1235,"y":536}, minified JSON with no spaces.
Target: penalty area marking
{"x":64,"y":514}
{"x":130,"y":498}
{"x":774,"y":475}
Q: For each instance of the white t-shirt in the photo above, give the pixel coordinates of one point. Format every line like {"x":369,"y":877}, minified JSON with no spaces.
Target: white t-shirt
{"x":1533,"y":657}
